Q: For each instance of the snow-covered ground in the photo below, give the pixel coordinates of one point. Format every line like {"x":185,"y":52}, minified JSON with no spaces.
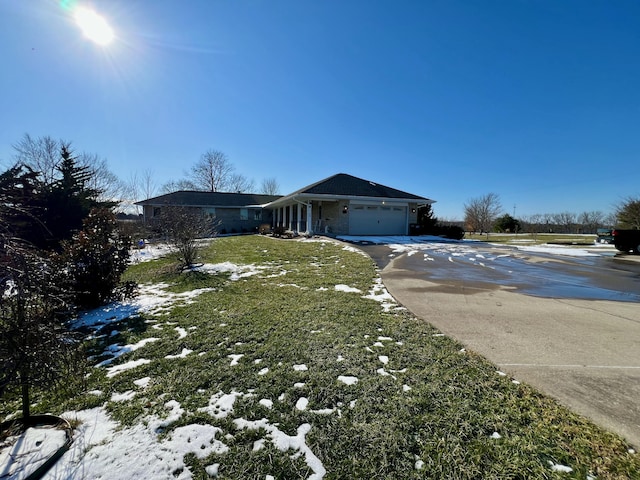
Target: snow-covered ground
{"x":401,"y":244}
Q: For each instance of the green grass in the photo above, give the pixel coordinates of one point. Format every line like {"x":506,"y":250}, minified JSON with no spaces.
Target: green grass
{"x":284,"y":317}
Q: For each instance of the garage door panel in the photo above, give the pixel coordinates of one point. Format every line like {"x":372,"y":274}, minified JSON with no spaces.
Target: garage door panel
{"x":377,"y":220}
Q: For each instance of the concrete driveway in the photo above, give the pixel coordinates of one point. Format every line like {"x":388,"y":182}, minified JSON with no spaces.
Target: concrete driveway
{"x":585,"y":353}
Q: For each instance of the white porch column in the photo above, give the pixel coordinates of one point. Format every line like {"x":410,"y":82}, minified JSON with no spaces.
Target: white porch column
{"x":309,"y":219}
{"x":299,"y":216}
{"x":289,"y":217}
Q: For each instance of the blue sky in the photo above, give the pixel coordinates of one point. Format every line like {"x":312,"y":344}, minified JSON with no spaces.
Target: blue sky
{"x":537,"y":101}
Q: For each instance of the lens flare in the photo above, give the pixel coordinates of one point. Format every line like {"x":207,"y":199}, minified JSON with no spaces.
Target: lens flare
{"x":94,"y":26}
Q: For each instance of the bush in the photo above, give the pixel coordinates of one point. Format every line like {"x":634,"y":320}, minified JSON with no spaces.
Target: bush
{"x":183,"y":226}
{"x":452,"y":231}
{"x":94,"y":259}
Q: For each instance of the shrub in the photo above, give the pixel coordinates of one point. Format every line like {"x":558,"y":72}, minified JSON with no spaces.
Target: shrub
{"x":183,"y":226}
{"x":94,"y":259}
{"x":451,"y":231}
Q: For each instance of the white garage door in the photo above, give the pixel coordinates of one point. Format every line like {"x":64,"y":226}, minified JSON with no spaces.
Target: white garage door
{"x":377,"y":220}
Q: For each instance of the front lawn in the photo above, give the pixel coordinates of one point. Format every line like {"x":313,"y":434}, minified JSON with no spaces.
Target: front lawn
{"x":292,"y":358}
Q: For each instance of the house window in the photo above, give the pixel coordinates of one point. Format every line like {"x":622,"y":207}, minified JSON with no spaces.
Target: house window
{"x":211,"y":211}
{"x":257,"y":214}
{"x":244,"y":214}
{"x":156,"y":211}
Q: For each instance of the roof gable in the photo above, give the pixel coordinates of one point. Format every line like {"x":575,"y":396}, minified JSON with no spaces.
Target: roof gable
{"x":343,"y":184}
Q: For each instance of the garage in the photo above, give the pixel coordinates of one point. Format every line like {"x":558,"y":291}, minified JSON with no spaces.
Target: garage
{"x":377,"y":219}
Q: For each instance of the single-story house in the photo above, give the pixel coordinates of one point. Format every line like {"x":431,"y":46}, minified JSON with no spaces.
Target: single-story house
{"x":234,"y":212}
{"x":338,"y":205}
{"x":346,"y":205}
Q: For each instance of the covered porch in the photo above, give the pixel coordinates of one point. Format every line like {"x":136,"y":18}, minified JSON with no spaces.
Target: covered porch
{"x":307,"y":216}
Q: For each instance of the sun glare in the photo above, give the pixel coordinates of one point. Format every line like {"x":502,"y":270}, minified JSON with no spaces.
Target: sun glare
{"x":94,"y":26}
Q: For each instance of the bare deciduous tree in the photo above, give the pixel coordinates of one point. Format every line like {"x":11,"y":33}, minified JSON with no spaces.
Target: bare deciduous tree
{"x":591,"y":221}
{"x":269,"y":186}
{"x":240,"y":184}
{"x":480,"y":212}
{"x":566,"y":220}
{"x":139,"y":187}
{"x":176,"y":185}
{"x":103,"y":180}
{"x":215,"y":173}
{"x":42,"y":154}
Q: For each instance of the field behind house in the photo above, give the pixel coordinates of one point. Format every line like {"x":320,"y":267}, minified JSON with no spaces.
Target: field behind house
{"x":298,"y":364}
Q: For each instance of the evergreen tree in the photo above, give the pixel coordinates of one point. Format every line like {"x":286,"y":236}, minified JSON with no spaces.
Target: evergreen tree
{"x":628,"y":213}
{"x":18,"y":197}
{"x":94,"y":259}
{"x":506,"y":223}
{"x":426,"y":220}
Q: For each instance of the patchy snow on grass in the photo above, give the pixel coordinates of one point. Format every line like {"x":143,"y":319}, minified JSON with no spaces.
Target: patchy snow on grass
{"x":151,"y":251}
{"x":221,"y":404}
{"x":300,"y":368}
{"x":302,"y":403}
{"x":284,"y":442}
{"x":556,"y":467}
{"x":346,"y":288}
{"x":347,"y":380}
{"x":117,"y":350}
{"x":152,"y":298}
{"x":113,"y":371}
{"x":142,"y":382}
{"x":183,"y":354}
{"x":380,"y":294}
{"x":123,"y":397}
{"x":237,"y":271}
{"x":235,"y":358}
{"x":103,"y":450}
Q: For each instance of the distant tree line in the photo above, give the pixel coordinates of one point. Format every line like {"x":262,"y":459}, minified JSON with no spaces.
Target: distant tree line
{"x":485,"y":214}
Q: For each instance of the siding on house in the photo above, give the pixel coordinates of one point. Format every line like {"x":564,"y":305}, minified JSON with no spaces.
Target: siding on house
{"x":234,"y":212}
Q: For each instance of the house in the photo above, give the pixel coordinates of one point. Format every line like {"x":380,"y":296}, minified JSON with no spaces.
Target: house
{"x":338,"y":205}
{"x":346,"y":205}
{"x":234,"y":212}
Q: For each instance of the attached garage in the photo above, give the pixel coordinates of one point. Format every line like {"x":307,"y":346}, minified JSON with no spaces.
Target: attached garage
{"x":377,"y":219}
{"x":346,"y":205}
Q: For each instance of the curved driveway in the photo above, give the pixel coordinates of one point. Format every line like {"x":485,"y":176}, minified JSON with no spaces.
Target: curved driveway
{"x":584,"y":352}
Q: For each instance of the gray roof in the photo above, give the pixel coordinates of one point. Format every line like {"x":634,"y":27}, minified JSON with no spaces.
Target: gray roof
{"x":187,"y":198}
{"x":345,"y":185}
